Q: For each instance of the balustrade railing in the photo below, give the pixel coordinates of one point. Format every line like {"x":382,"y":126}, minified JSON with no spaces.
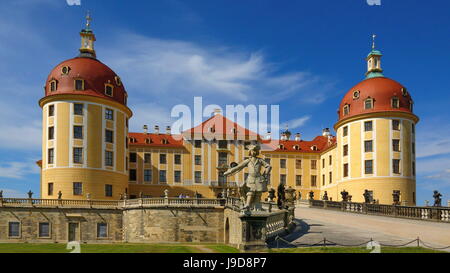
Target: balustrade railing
{"x":421,"y":213}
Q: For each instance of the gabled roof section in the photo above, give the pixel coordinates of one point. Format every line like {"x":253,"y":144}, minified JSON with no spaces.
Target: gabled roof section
{"x":220,"y":128}
{"x":318,"y":145}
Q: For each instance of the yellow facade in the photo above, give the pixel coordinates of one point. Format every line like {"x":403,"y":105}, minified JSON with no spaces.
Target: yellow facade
{"x":86,"y":165}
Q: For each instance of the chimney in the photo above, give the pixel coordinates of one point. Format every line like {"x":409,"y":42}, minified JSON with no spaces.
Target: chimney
{"x":298,"y":137}
{"x":326,"y":132}
{"x":157,"y":129}
{"x":283,"y":136}
{"x":145,"y":129}
{"x":168,"y":130}
{"x":268,"y":136}
{"x":217,"y":111}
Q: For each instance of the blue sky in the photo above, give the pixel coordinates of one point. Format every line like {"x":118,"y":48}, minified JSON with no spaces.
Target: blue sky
{"x":302,"y":55}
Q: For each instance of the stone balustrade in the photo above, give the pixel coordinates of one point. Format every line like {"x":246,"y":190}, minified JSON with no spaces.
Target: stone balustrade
{"x":441,"y":214}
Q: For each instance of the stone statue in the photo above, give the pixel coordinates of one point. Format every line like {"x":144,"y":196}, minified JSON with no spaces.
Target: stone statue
{"x":166,"y":193}
{"x":141,"y":195}
{"x":120,"y":196}
{"x":59,"y":195}
{"x":396,"y":197}
{"x":311,"y":195}
{"x":290,"y":197}
{"x":30,"y":194}
{"x":228,"y":192}
{"x":367,"y":197}
{"x":1,"y":194}
{"x":325,"y":196}
{"x":281,"y":196}
{"x":437,"y":199}
{"x":344,"y":195}
{"x":271,"y":194}
{"x":299,"y":195}
{"x":88,"y":196}
{"x":256,"y":183}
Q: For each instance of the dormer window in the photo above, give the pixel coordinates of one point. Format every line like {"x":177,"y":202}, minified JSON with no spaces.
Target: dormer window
{"x":346,"y":109}
{"x":125,"y":99}
{"x":281,"y":147}
{"x":314,"y":148}
{"x":404,"y":92}
{"x":395,"y":103}
{"x":411,"y":104}
{"x":53,"y":85}
{"x":79,"y":84}
{"x":118,"y":80}
{"x":148,"y":141}
{"x":65,"y":70}
{"x":164,"y":141}
{"x":109,"y":89}
{"x":368,"y":103}
{"x":356,"y":94}
{"x":296,"y":147}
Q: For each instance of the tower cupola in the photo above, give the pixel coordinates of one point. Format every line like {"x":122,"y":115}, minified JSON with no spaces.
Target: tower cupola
{"x":374,"y":69}
{"x":87,"y":39}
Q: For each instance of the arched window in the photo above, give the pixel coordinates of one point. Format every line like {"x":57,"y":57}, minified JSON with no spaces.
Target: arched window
{"x":109,"y":89}
{"x":53,"y":85}
{"x":79,"y":84}
{"x":346,"y":109}
{"x":395,"y":103}
{"x":368,"y":103}
{"x":296,"y":147}
{"x":314,"y":148}
{"x":148,"y":141}
{"x":281,"y":147}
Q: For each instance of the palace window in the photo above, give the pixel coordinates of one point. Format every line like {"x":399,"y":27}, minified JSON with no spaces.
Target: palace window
{"x":283,"y":163}
{"x":44,"y":230}
{"x":77,"y":132}
{"x":109,"y":136}
{"x":395,"y":102}
{"x":197,"y":143}
{"x":177,"y":159}
{"x":198,"y":160}
{"x":323,"y":163}
{"x":346,"y":110}
{"x":162,"y":159}
{"x":413,"y":147}
{"x":14,"y":229}
{"x":108,"y":190}
{"x":396,"y":125}
{"x":283,"y":179}
{"x":198,"y":177}
{"x":396,"y":145}
{"x":298,"y":163}
{"x":51,"y":133}
{"x":346,"y":170}
{"x":77,"y":188}
{"x":109,"y":158}
{"x":51,"y":110}
{"x":78,"y":109}
{"x":133,"y":157}
{"x":78,"y":155}
{"x":79,"y":84}
{"x":109,"y":114}
{"x":147,"y":158}
{"x":414,"y":168}
{"x":162,"y":176}
{"x":50,"y":189}
{"x":330,"y":160}
{"x":368,"y":146}
{"x":411,"y":105}
{"x":109,"y":90}
{"x":331,"y":177}
{"x":396,"y":166}
{"x":177,"y":176}
{"x":147,"y":175}
{"x":313,"y":180}
{"x":223,"y":158}
{"x":53,"y":85}
{"x":298,"y":180}
{"x":345,"y":150}
{"x":132,"y":174}
{"x":368,"y":166}
{"x":368,"y":103}
{"x":51,"y":156}
{"x":368,"y":126}
{"x":102,"y":230}
{"x":313,"y":164}
{"x":345,"y":131}
{"x":323,"y":180}
{"x":413,"y":128}
{"x":223,"y":144}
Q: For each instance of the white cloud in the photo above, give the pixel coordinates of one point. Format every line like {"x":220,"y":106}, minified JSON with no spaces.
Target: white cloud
{"x":298,"y":122}
{"x":18,"y":170}
{"x":433,"y":137}
{"x":10,"y":193}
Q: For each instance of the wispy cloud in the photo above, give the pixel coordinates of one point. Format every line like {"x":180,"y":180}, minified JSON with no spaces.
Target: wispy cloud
{"x":18,"y":170}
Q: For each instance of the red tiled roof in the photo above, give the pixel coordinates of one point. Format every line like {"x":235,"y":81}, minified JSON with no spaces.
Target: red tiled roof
{"x":320,"y":142}
{"x":220,"y":127}
{"x":155,"y":140}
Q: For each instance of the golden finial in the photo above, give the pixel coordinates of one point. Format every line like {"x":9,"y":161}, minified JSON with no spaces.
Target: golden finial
{"x":373,"y":40}
{"x":88,"y":20}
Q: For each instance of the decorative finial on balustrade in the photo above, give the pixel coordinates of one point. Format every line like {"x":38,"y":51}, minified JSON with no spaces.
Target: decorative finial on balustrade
{"x":59,"y":195}
{"x":1,"y":194}
{"x":30,"y":194}
{"x":166,"y":193}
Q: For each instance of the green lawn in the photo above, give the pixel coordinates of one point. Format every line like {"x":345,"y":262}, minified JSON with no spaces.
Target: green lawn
{"x":189,"y":248}
{"x":354,"y":250}
{"x":118,"y":248}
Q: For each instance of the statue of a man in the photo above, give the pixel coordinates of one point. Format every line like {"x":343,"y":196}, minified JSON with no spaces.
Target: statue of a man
{"x":59,"y":195}
{"x":281,"y":195}
{"x":30,"y":194}
{"x":325,"y":196}
{"x":290,"y":196}
{"x":256,"y":183}
{"x":367,"y":198}
{"x":344,"y":195}
{"x":396,"y":197}
{"x":437,"y":199}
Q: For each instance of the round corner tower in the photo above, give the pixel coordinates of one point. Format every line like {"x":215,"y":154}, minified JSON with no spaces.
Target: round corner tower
{"x":85,"y":128}
{"x":376,"y":138}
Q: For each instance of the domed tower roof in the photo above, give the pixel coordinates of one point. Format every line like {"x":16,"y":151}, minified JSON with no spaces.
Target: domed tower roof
{"x":85,"y":75}
{"x":376,"y":93}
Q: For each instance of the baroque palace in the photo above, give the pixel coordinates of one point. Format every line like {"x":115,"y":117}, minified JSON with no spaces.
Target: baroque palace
{"x":88,"y":152}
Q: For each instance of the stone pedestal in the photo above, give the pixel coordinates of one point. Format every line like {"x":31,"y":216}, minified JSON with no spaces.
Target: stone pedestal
{"x":254,"y":231}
